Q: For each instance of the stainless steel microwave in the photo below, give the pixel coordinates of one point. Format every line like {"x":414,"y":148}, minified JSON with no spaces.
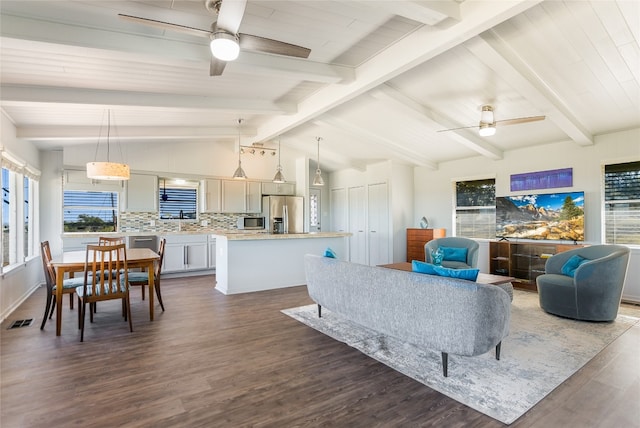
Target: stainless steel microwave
{"x":251,"y":223}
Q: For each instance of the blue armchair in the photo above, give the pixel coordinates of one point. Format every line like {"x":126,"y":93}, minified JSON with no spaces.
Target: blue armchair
{"x":466,"y":256}
{"x":594,"y":291}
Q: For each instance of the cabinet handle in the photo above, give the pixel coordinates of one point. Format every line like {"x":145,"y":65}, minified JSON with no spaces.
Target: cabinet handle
{"x":185,"y":257}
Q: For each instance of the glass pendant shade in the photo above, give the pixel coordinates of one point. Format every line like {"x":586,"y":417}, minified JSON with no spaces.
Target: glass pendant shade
{"x":107,"y":170}
{"x":279,"y":177}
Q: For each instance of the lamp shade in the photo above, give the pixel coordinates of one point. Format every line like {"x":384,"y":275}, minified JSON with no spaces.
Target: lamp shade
{"x":487,"y":129}
{"x":107,"y":171}
{"x":224,"y":46}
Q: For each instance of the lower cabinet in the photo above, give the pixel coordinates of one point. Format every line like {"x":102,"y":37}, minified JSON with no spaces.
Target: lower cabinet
{"x":212,"y":253}
{"x":185,"y":253}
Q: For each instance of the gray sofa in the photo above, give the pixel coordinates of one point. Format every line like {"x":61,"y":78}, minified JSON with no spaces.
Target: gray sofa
{"x":438,"y":313}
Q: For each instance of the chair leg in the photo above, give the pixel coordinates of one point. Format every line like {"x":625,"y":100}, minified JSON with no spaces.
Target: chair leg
{"x":53,"y":306}
{"x":80,"y":314}
{"x":143,"y":293}
{"x":159,"y":294}
{"x":82,"y":309}
{"x":92,"y":309}
{"x":71,"y":300}
{"x":127,"y":303}
{"x":47,"y":308}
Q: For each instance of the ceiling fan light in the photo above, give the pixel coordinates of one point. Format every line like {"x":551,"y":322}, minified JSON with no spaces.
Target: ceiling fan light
{"x":224,"y":46}
{"x":487,"y":129}
{"x":487,"y":114}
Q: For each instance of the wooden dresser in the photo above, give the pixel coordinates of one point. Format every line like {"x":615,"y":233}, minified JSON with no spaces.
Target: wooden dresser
{"x":416,"y":238}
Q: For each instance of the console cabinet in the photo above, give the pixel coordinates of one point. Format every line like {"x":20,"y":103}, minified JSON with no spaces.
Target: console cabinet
{"x":416,"y":238}
{"x":523,"y":260}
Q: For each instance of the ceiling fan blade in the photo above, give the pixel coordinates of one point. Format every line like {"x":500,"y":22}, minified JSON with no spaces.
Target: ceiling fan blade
{"x":519,"y":120}
{"x":230,"y":15}
{"x":262,"y":44}
{"x":455,"y":129}
{"x":216,"y":66}
{"x":166,"y":25}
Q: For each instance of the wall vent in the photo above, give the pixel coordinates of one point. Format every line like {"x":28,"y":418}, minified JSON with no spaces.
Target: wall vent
{"x":20,"y":323}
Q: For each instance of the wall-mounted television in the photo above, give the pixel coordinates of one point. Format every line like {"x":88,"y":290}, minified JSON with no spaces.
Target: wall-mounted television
{"x":548,"y":216}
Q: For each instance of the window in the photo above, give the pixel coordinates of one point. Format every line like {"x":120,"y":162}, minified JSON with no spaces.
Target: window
{"x":476,"y":208}
{"x":622,"y":203}
{"x":19,"y":217}
{"x":179,"y":200}
{"x":90,"y":211}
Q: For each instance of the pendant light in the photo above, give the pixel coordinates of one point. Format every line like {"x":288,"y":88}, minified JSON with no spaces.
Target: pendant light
{"x":317,"y":180}
{"x":107,"y":170}
{"x":279,"y":177}
{"x":239,"y":174}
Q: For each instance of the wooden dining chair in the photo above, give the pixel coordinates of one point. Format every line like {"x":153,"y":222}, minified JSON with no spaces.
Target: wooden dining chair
{"x":68,"y":287}
{"x":97,"y":287}
{"x":108,"y":240}
{"x":142,"y":278}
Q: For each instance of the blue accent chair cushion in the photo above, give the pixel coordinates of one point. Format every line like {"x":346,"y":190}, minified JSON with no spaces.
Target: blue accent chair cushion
{"x":455,"y":254}
{"x":428,"y":268}
{"x":569,"y":268}
{"x":330,"y":253}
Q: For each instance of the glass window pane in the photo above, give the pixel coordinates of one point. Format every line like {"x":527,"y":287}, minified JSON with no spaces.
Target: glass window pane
{"x":622,"y":203}
{"x":176,"y":203}
{"x":90,"y":211}
{"x":5,"y":217}
{"x":476,"y":208}
{"x":25,"y":215}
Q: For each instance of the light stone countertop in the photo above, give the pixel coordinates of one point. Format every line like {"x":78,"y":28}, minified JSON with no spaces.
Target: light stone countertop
{"x":232,"y":235}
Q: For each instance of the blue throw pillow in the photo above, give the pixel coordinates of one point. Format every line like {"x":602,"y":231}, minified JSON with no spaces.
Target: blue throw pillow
{"x":422,"y":267}
{"x":455,"y":254}
{"x":570,"y":266}
{"x":330,"y":253}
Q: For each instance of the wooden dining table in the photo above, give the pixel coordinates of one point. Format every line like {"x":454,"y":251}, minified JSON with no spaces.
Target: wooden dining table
{"x":73,"y":261}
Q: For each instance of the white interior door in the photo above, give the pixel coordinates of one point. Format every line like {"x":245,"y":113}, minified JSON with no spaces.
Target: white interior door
{"x":357,"y":225}
{"x":378,"y":224}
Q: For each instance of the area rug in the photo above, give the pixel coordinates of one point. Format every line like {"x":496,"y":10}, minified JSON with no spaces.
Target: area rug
{"x":540,"y":353}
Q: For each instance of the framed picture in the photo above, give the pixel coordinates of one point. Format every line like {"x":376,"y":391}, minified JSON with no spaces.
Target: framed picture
{"x":542,"y":179}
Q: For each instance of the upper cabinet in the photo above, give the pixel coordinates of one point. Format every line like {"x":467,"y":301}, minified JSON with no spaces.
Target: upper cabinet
{"x":141,"y":193}
{"x":240,"y":196}
{"x":286,"y":189}
{"x":211,"y":199}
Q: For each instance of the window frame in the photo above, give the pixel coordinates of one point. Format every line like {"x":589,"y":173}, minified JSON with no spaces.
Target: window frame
{"x":610,"y":201}
{"x":175,"y":186}
{"x":460,"y":209}
{"x":89,"y":209}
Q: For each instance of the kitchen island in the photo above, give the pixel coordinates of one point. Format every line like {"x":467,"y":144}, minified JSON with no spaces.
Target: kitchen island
{"x":248,"y":262}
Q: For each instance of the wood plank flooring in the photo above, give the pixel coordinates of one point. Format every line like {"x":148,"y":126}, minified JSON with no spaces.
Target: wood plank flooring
{"x":213,"y":360}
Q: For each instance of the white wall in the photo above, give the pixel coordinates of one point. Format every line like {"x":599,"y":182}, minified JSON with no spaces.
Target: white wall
{"x":434,"y":191}
{"x":17,"y":284}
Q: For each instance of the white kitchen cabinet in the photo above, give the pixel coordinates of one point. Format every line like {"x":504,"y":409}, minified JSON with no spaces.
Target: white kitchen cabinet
{"x":78,"y":180}
{"x":283,"y":189}
{"x":78,"y":244}
{"x":234,"y":196}
{"x":241,"y":196}
{"x":212,"y":252}
{"x":254,"y":197}
{"x":211,"y":196}
{"x":141,"y":193}
{"x":185,"y":253}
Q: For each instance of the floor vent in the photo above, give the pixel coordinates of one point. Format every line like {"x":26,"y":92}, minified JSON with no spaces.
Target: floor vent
{"x":21,"y":323}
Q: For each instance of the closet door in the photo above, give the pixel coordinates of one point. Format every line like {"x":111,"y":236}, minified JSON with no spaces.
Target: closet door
{"x":378,"y":224}
{"x":357,"y":225}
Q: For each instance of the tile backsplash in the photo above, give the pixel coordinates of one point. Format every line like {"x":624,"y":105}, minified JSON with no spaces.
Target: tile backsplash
{"x":149,"y":222}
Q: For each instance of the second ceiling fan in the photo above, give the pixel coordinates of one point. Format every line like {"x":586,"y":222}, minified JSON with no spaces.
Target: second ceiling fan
{"x":226,"y":42}
{"x":488,"y":123}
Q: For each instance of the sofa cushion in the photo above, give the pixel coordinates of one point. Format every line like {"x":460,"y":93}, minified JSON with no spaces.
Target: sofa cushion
{"x":454,"y":254}
{"x":570,"y":266}
{"x":422,"y":267}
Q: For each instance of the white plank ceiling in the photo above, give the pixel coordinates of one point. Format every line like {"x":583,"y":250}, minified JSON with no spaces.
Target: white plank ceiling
{"x":382,"y":79}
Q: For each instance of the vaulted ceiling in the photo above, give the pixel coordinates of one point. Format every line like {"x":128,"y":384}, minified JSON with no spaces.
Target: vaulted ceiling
{"x":383,"y":77}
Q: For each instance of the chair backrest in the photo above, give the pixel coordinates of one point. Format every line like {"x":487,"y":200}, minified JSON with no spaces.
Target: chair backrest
{"x":49,"y":271}
{"x":107,"y":240}
{"x":159,"y":264}
{"x":471,"y":245}
{"x":105,"y":271}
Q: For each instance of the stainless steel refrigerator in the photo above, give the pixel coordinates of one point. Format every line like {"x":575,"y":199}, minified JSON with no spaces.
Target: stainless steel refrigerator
{"x":283,"y":214}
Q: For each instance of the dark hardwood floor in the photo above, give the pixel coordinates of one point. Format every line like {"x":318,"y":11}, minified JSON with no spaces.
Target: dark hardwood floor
{"x":213,"y":360}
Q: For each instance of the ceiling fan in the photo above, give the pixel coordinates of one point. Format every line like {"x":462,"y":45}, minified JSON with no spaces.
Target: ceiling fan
{"x":487,"y":125}
{"x":226,"y":42}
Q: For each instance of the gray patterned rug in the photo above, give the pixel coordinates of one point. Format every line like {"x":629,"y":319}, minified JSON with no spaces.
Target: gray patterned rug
{"x":540,"y":353}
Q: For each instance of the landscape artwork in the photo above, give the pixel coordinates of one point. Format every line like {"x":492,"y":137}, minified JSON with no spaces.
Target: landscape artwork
{"x":549,"y":216}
